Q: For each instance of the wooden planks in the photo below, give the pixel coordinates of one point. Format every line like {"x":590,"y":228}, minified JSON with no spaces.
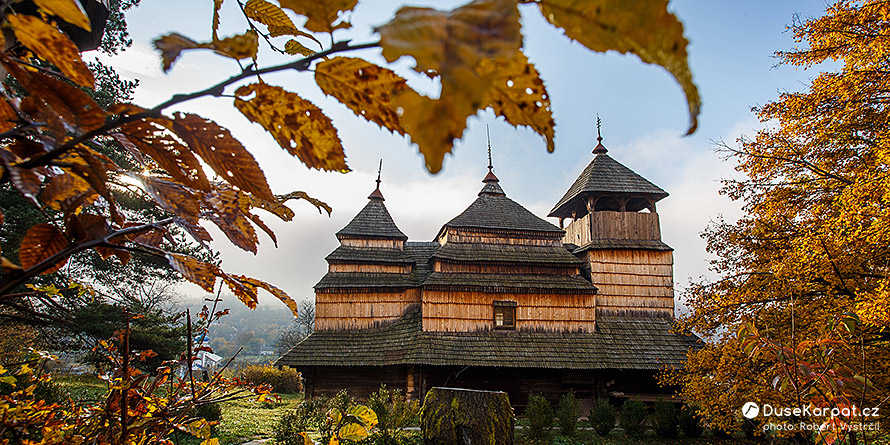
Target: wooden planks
{"x":361,"y":310}
{"x":379,"y":243}
{"x":369,"y":268}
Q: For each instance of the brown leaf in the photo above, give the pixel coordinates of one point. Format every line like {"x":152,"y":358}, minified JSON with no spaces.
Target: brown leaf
{"x":518,"y":94}
{"x":24,"y":180}
{"x":51,"y":45}
{"x":198,"y":272}
{"x":217,"y":4}
{"x":242,"y":46}
{"x":643,"y":27}
{"x":450,"y":45}
{"x":26,"y":148}
{"x":174,"y":198}
{"x":302,"y":195}
{"x":8,"y":116}
{"x":86,"y":227}
{"x":8,"y":267}
{"x":153,"y":139}
{"x":274,"y":207}
{"x":296,"y":124}
{"x":294,"y":47}
{"x":62,"y":188}
{"x":56,"y":99}
{"x":259,"y":222}
{"x":41,"y":242}
{"x":367,"y":89}
{"x":223,"y":153}
{"x":321,"y":15}
{"x":67,"y":10}
{"x":278,"y":293}
{"x":107,"y":252}
{"x":245,"y":292}
{"x":231,"y":219}
{"x":171,"y":45}
{"x":153,"y":238}
{"x":267,"y":14}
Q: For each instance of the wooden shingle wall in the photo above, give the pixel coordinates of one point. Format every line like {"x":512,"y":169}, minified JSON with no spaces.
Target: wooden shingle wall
{"x":632,"y":282}
{"x":361,"y":310}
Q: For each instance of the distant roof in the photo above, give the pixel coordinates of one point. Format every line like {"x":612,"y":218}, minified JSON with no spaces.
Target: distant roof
{"x":494,"y":210}
{"x":618,"y":343}
{"x":512,"y":283}
{"x":612,"y":244}
{"x":488,"y":253}
{"x":373,"y":221}
{"x":606,"y":175}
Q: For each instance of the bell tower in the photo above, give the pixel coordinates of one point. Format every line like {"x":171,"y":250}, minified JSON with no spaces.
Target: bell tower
{"x":614,"y":227}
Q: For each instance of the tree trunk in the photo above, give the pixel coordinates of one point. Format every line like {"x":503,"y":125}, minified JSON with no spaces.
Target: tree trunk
{"x":466,"y":417}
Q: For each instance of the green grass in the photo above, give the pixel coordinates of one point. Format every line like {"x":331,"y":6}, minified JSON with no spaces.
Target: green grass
{"x":81,"y":388}
{"x":244,"y":420}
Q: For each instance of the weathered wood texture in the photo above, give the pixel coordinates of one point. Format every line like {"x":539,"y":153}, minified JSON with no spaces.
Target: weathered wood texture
{"x":453,"y":311}
{"x":361,"y":310}
{"x":359,"y":381}
{"x":480,"y":237}
{"x":632,"y":282}
{"x":378,"y":243}
{"x":369,"y":268}
{"x":613,"y":225}
{"x":441,"y":266}
{"x":452,"y":416}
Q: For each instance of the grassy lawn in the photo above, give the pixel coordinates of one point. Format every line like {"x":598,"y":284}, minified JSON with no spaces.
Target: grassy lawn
{"x":244,"y":420}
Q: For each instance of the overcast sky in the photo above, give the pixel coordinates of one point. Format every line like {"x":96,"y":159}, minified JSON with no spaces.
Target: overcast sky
{"x":643,"y":111}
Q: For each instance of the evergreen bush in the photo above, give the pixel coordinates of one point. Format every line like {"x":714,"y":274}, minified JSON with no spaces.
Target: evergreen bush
{"x":665,"y":419}
{"x":567,"y":414}
{"x":539,"y":415}
{"x":602,"y":417}
{"x":632,"y":417}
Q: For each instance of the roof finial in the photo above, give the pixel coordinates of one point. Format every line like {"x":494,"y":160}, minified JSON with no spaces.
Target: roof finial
{"x":376,"y":194}
{"x":490,"y":176}
{"x":600,"y":148}
{"x":487,"y":132}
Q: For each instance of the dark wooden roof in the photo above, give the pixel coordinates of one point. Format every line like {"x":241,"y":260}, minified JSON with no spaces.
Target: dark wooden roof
{"x":623,"y":244}
{"x":373,"y":221}
{"x":487,"y":253}
{"x":605,"y":175}
{"x":510,"y":283}
{"x":618,"y":343}
{"x":347,"y":254}
{"x":494,"y":210}
{"x":341,"y":280}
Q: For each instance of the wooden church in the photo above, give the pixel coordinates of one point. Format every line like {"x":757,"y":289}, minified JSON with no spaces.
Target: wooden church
{"x":502,"y":299}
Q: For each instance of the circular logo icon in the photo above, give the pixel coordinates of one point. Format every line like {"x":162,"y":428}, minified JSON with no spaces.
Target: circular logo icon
{"x":750,"y":410}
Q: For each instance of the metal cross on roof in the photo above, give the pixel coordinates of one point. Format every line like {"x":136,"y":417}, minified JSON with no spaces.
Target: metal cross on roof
{"x":489,"y":148}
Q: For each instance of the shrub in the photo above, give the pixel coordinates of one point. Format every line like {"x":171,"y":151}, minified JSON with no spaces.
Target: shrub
{"x":665,"y":419}
{"x":567,"y":414}
{"x":394,"y":412}
{"x":210,"y":412}
{"x":539,"y":415}
{"x":602,"y":417}
{"x":283,"y":381}
{"x":307,"y":416}
{"x":690,"y":422}
{"x":632,"y":417}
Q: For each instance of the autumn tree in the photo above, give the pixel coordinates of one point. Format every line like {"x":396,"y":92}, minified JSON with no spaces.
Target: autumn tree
{"x":194,"y":172}
{"x":811,"y":250}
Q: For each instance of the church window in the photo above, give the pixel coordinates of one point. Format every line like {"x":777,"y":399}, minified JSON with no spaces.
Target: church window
{"x":505,"y":315}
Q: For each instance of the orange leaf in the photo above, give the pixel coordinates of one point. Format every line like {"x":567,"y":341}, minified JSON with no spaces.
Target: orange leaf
{"x":321,"y":15}
{"x":450,"y":45}
{"x":8,"y":116}
{"x":367,"y":89}
{"x":267,"y":14}
{"x":294,"y":47}
{"x":642,"y":27}
{"x":296,"y":124}
{"x":518,"y":94}
{"x":245,"y":292}
{"x":278,"y":293}
{"x":86,"y":226}
{"x":198,"y":272}
{"x":173,"y":197}
{"x":171,"y":45}
{"x":67,"y":10}
{"x":51,"y":45}
{"x":242,"y":46}
{"x":62,"y":188}
{"x":40,"y":243}
{"x":223,"y":153}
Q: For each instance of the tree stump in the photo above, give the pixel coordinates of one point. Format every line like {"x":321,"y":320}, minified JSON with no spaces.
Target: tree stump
{"x":453,"y":416}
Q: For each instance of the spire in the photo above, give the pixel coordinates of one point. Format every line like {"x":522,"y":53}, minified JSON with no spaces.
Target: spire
{"x":376,"y":193}
{"x":599,"y":149}
{"x":490,"y":177}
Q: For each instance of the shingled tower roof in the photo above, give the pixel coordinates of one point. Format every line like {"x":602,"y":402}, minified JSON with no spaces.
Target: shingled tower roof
{"x":373,"y":221}
{"x":605,"y":175}
{"x":494,"y":210}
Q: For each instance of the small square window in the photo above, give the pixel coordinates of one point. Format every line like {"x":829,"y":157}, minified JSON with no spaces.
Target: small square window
{"x":505,"y":315}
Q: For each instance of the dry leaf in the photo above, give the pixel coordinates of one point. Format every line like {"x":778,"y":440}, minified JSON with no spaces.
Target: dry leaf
{"x":68,"y":10}
{"x":296,"y":124}
{"x":51,"y":45}
{"x":321,"y":15}
{"x":40,"y":243}
{"x":198,"y":272}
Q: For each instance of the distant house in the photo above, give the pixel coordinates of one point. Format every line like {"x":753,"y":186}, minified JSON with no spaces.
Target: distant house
{"x":266,"y":350}
{"x":502,"y":299}
{"x":204,"y":361}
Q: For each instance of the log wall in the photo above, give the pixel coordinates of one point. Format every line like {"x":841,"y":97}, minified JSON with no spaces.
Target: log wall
{"x":479,"y":237}
{"x":613,"y":225}
{"x":377,"y":243}
{"x":369,"y":268}
{"x":460,"y":311}
{"x":359,"y":381}
{"x":361,"y":310}
{"x":633,"y":282}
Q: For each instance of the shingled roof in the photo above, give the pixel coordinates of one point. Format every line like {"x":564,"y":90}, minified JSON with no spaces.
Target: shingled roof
{"x":494,"y":210}
{"x":348,"y":254}
{"x":606,"y":175}
{"x":512,"y":254}
{"x":618,"y":343}
{"x":373,"y":221}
